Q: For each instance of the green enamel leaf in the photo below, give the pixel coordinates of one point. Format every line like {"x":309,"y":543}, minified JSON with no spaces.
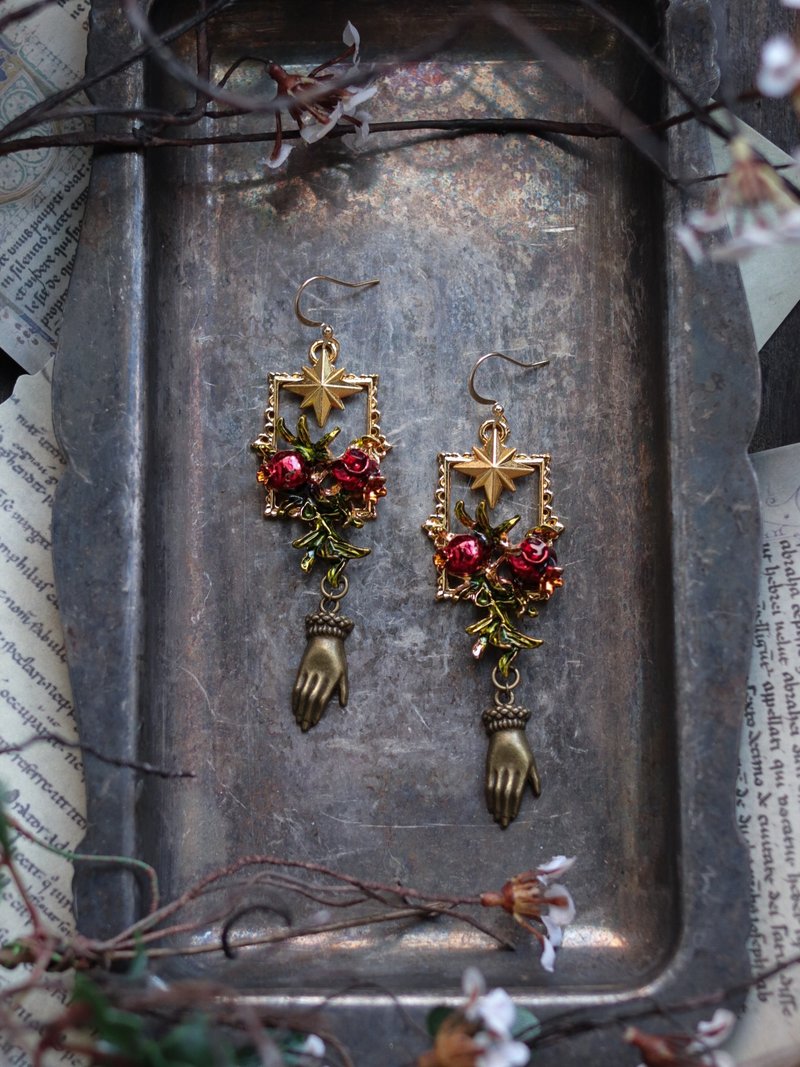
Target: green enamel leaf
{"x":504,"y":527}
{"x":328,"y":437}
{"x":285,"y":432}
{"x":482,"y":517}
{"x":302,"y":431}
{"x":307,"y":539}
{"x":463,"y":515}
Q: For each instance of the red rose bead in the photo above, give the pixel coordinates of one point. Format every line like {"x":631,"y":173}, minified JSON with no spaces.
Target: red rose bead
{"x":529,"y":564}
{"x":466,"y":554}
{"x":355,"y":470}
{"x":286,"y":470}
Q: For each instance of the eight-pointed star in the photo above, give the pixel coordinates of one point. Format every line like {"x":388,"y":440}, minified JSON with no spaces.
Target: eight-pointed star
{"x":321,"y":388}
{"x":493,"y":468}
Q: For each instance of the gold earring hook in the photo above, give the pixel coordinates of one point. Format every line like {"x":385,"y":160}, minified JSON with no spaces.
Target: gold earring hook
{"x":500,"y":355}
{"x":326,"y":278}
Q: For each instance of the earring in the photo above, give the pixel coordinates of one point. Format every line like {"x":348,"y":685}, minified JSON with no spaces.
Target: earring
{"x":503,"y":579}
{"x":305,"y":481}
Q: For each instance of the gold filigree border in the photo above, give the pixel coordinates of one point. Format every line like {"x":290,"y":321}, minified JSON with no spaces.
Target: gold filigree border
{"x":437,"y":525}
{"x":367,"y":383}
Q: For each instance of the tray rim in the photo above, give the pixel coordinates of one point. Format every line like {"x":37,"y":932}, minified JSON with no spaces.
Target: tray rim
{"x":103,"y":636}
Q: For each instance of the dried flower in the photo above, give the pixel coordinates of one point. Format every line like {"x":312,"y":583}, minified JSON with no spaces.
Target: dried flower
{"x":480,"y":1033}
{"x":762,"y":209}
{"x":532,"y":896}
{"x":318,"y":116}
{"x":686,"y":1050}
{"x":779,"y":73}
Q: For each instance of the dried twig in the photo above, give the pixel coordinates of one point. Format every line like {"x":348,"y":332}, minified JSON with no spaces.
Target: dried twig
{"x":114,"y":761}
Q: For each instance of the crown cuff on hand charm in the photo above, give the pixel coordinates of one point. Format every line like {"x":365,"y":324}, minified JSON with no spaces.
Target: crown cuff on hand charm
{"x":504,"y":579}
{"x":329,"y":494}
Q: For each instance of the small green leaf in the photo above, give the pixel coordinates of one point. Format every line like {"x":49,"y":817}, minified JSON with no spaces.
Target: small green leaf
{"x":307,"y":562}
{"x":307,"y":539}
{"x":309,"y":512}
{"x":463,"y":515}
{"x":302,"y":431}
{"x":482,"y":517}
{"x":436,"y":1017}
{"x":352,"y":551}
{"x":525,"y":1026}
{"x":504,"y":527}
{"x":138,"y":967}
{"x":190,"y":1043}
{"x":286,"y":433}
{"x":326,"y":440}
{"x":504,"y":663}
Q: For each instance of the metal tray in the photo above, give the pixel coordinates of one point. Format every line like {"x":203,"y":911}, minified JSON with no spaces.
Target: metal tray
{"x":183,"y":608}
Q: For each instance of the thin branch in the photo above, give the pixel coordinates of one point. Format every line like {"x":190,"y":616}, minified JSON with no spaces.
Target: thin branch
{"x":78,"y":857}
{"x":113,"y":761}
{"x":565,"y":67}
{"x":456,"y":127}
{"x":659,"y":66}
{"x":571,"y":1024}
{"x":25,"y":12}
{"x":32,"y":116}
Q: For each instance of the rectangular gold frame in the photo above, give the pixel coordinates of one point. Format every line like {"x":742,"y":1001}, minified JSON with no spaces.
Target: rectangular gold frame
{"x":447,"y":460}
{"x":367,"y":383}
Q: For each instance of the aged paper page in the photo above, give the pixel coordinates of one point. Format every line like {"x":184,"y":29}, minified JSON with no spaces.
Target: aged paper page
{"x":768,"y":796}
{"x":44,"y":783}
{"x":43,"y":191}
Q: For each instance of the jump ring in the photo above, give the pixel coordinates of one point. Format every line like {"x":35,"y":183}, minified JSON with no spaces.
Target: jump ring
{"x":504,"y":684}
{"x":334,"y":592}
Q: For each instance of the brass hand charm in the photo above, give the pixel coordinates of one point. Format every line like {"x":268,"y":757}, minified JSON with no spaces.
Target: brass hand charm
{"x":323,"y":668}
{"x":509,"y":765}
{"x":322,"y":671}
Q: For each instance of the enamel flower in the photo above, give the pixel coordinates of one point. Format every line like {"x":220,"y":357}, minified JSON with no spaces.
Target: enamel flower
{"x":534,"y":895}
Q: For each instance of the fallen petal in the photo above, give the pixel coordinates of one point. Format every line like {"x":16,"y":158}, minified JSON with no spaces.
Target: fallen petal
{"x":356,"y":140}
{"x":548,"y":960}
{"x":554,"y":868}
{"x":282,"y":156}
{"x":314,"y":131}
{"x":716,"y":1031}
{"x":562,"y":906}
{"x":352,"y":38}
{"x":357,"y":96}
{"x":553,"y":931}
{"x":473,"y":983}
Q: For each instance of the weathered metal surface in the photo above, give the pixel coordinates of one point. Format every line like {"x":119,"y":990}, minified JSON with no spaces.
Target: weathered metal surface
{"x":184,"y":609}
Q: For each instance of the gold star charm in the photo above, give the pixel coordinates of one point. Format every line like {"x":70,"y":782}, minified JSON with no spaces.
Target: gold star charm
{"x":493,"y":467}
{"x":322,"y":389}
